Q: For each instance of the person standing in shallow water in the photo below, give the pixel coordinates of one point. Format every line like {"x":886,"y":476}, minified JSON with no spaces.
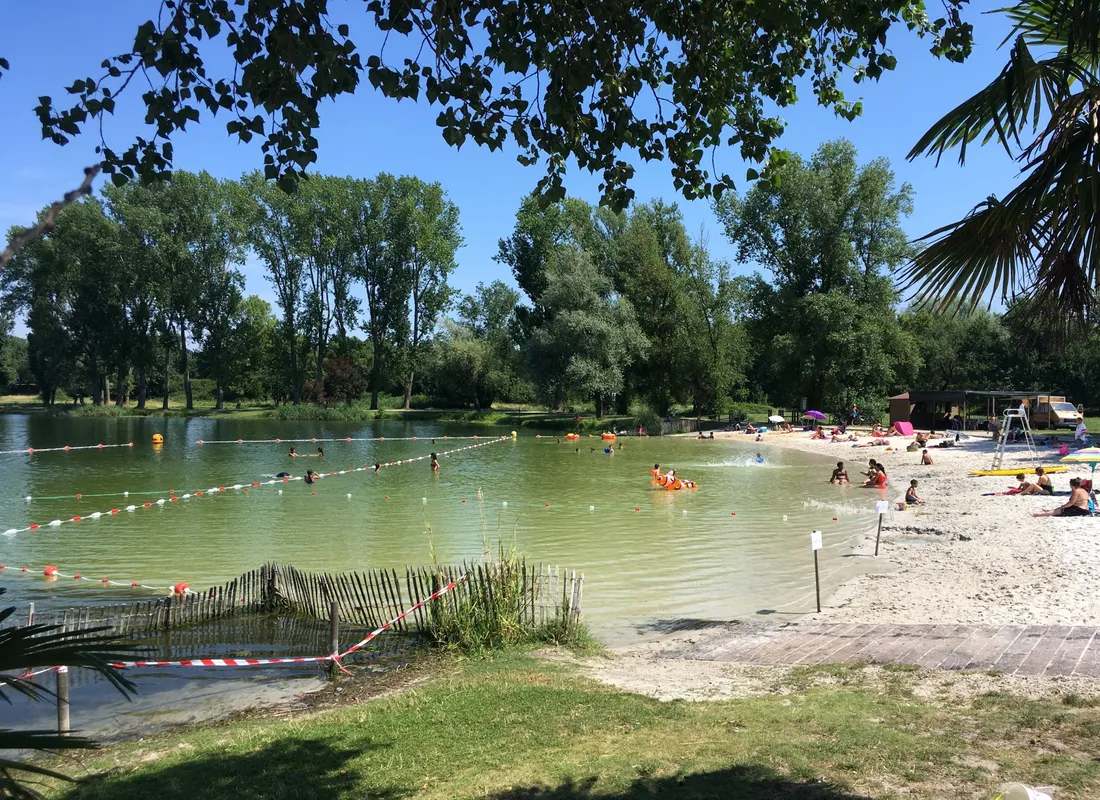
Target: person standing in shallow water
{"x":435,"y":463}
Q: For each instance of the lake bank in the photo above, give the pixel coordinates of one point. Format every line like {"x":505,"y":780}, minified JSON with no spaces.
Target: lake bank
{"x":968,"y":555}
{"x":517,"y":726}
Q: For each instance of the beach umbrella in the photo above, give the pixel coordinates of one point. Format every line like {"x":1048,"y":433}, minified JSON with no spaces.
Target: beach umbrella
{"x":814,"y":415}
{"x":775,"y":418}
{"x":1086,"y":455}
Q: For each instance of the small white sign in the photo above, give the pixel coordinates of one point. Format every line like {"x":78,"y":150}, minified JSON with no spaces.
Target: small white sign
{"x":815,"y":540}
{"x":882,"y":506}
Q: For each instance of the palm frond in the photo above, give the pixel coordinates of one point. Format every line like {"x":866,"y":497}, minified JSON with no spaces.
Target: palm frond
{"x":1014,"y":100}
{"x":1069,"y":25}
{"x":29,"y":646}
{"x":13,"y":782}
{"x":989,"y":249}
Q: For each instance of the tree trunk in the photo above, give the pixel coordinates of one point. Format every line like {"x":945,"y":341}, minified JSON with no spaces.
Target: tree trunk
{"x":106,"y":389}
{"x":186,"y":370}
{"x":296,"y":389}
{"x":120,"y":387}
{"x":167,"y":368}
{"x":375,"y":379}
{"x":141,"y":387}
{"x":219,"y":396}
{"x":408,"y":390}
{"x":599,"y":405}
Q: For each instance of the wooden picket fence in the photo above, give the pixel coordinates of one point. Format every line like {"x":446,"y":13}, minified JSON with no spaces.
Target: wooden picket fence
{"x":365,"y":599}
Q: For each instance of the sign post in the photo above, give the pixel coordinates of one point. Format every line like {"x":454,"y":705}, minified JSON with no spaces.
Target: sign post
{"x":881,"y":507}
{"x":815,"y":545}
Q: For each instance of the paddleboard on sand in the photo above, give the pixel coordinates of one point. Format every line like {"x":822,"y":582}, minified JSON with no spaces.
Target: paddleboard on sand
{"x":1016,"y":471}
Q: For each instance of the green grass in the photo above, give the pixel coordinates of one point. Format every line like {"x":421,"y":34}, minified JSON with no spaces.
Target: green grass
{"x":514,"y":728}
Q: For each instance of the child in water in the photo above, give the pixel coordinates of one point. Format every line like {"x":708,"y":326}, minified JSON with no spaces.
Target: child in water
{"x":759,"y":459}
{"x":609,"y":450}
{"x":435,"y":463}
{"x":311,"y":476}
{"x":293,"y":452}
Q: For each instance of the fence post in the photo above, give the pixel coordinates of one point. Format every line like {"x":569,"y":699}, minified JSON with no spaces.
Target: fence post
{"x":30,"y":615}
{"x":334,"y":637}
{"x":63,"y":701}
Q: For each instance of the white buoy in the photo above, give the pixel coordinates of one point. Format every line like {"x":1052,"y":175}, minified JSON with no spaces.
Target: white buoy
{"x":591,"y":508}
{"x":125,"y":494}
{"x":349,"y":497}
{"x":160,"y":502}
{"x":506,"y":504}
{"x":96,"y":515}
{"x":685,"y":513}
{"x":784,"y":517}
{"x":27,"y":498}
{"x":55,"y":523}
{"x":280,"y":491}
{"x":186,"y":496}
{"x":424,"y":501}
{"x":10,"y":530}
{"x":130,"y":508}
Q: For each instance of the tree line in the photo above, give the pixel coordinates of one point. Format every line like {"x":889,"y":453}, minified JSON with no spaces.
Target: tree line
{"x":136,"y":293}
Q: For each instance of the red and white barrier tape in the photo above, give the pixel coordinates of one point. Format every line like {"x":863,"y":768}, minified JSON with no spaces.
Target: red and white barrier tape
{"x":30,"y":451}
{"x":315,"y":440}
{"x":263,"y":662}
{"x":56,"y":523}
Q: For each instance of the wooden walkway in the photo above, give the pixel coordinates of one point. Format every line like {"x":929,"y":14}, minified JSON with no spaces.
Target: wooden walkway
{"x":1048,"y":650}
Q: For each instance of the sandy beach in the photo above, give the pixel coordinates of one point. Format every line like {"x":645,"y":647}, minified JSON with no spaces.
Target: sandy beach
{"x":966,"y":556}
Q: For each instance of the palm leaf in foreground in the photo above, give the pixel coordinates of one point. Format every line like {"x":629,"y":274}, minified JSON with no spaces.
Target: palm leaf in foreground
{"x":26,"y":647}
{"x":1040,"y":242}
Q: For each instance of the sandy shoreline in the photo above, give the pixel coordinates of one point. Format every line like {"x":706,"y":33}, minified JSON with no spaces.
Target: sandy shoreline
{"x":966,"y":556}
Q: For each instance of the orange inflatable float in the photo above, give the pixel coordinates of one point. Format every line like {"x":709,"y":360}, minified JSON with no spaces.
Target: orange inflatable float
{"x":671,"y":481}
{"x":572,"y":436}
{"x":608,"y":437}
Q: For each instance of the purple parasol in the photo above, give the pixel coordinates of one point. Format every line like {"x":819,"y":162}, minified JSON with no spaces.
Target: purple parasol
{"x":814,"y":414}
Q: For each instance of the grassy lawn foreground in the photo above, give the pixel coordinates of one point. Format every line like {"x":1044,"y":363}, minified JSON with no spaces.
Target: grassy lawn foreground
{"x":515,"y":727}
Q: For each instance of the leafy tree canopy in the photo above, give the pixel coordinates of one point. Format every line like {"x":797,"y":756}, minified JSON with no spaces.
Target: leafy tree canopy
{"x":564,"y":83}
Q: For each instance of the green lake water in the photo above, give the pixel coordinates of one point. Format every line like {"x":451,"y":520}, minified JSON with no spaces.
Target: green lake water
{"x":723,"y":551}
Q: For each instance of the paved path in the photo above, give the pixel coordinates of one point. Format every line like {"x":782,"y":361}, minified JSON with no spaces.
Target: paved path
{"x":1048,"y":650}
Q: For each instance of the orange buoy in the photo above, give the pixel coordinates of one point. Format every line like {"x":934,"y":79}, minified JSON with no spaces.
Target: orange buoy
{"x":50,"y":571}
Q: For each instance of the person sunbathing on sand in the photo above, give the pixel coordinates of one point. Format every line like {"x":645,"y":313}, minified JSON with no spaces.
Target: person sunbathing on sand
{"x":872,"y":443}
{"x":1025,"y":486}
{"x":1076,"y":506}
{"x":1043,"y":481}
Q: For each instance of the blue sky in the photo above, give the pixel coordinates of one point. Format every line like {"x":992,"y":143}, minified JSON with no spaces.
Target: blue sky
{"x":49,"y":44}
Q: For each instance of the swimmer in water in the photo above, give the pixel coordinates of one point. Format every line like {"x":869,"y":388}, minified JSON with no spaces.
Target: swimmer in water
{"x":759,"y":459}
{"x":377,"y":467}
{"x":320,"y":453}
{"x":311,"y":476}
{"x":283,"y":475}
{"x":609,"y":450}
{"x":435,"y":463}
{"x":293,"y":452}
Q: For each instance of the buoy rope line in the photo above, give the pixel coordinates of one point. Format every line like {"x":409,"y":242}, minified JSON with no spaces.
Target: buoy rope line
{"x":30,"y":451}
{"x":316,"y":440}
{"x":252,"y":484}
{"x":51,"y":571}
{"x":237,"y":486}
